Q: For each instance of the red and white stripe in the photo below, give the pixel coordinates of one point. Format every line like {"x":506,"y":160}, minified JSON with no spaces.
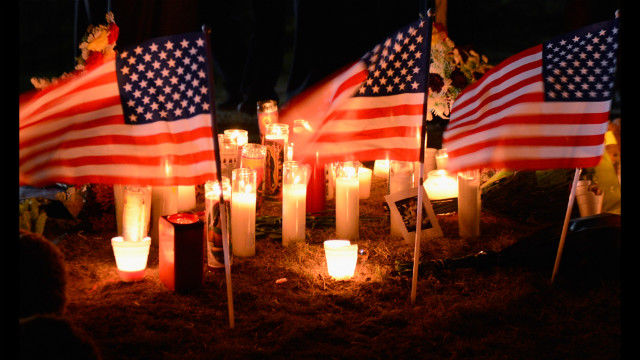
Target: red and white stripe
{"x":502,"y":121}
{"x":345,"y":127}
{"x":74,"y":133}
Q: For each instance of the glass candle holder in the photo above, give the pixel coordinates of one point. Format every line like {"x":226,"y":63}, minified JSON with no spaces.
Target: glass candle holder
{"x":242,"y":138}
{"x":275,"y":140}
{"x":253,"y":156}
{"x":441,"y":159}
{"x":228,"y":153}
{"x":364,"y":175}
{"x":294,"y":199}
{"x":347,"y":200}
{"x":441,"y":185}
{"x":213,"y":222}
{"x":342,"y":257}
{"x":136,"y":212}
{"x":243,"y":212}
{"x":267,"y":114}
{"x":131,"y":257}
{"x":469,"y":205}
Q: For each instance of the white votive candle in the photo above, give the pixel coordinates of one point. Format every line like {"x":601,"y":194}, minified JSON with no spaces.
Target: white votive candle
{"x":294,"y":201}
{"x":364,"y":175}
{"x":440,"y":185}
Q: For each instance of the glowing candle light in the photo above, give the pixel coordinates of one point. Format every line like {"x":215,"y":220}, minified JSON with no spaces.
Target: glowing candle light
{"x":213,"y":224}
{"x":243,"y":212}
{"x":347,"y":200}
{"x":164,"y":202}
{"x":228,"y":153}
{"x":131,"y":257}
{"x":381,"y":168}
{"x":186,"y":198}
{"x":181,"y":252}
{"x":294,"y":198}
{"x":241,"y":137}
{"x":342,"y":257}
{"x":440,"y":185}
{"x":441,"y":159}
{"x":136,"y":211}
{"x":364,"y":176}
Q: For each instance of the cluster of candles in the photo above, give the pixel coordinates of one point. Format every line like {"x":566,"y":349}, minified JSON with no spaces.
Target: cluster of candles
{"x":254,"y":172}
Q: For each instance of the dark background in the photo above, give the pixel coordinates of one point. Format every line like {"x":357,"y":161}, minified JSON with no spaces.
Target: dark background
{"x":50,"y":30}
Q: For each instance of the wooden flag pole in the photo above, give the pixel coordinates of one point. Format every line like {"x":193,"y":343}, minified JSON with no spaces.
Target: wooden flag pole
{"x":423,"y":135}
{"x":216,"y":150}
{"x":567,"y":217}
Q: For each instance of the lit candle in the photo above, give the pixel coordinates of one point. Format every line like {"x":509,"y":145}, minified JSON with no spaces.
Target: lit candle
{"x":228,"y":153}
{"x":135,"y":212}
{"x":131,"y":257}
{"x":241,"y":137}
{"x":275,"y":141}
{"x":347,"y":200}
{"x":364,"y":176}
{"x":267,"y":114}
{"x":441,"y":159}
{"x":381,"y":168}
{"x":469,"y":203}
{"x":342,"y":257}
{"x":213,"y":224}
{"x":243,"y":212}
{"x":186,"y":198}
{"x":164,"y":202}
{"x":253,"y":157}
{"x":294,"y":196}
{"x":400,"y":178}
{"x":181,"y":252}
{"x":440,"y":185}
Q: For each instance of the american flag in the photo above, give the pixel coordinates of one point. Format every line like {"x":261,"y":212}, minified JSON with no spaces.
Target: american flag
{"x":141,"y":118}
{"x":370,"y":110}
{"x":546,"y":107}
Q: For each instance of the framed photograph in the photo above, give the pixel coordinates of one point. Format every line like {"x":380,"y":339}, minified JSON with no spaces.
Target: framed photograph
{"x":403,"y":206}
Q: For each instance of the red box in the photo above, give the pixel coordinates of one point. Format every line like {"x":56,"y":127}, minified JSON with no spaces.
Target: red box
{"x":181,"y":252}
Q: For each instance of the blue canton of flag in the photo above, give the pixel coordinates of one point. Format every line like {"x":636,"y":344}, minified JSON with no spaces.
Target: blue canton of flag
{"x":580,"y":66}
{"x":164,"y":79}
{"x":397,"y":65}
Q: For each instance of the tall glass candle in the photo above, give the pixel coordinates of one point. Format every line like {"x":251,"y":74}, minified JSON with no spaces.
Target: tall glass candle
{"x":400,"y":178}
{"x":136,"y":212}
{"x":347,"y":200}
{"x":213,"y":223}
{"x":243,"y":212}
{"x":253,"y":156}
{"x":441,"y":159}
{"x":469,"y":205}
{"x":228,"y":153}
{"x":267,"y":114}
{"x":364,"y":175}
{"x":242,"y":137}
{"x":186,"y":198}
{"x":275,"y":141}
{"x":294,"y":198}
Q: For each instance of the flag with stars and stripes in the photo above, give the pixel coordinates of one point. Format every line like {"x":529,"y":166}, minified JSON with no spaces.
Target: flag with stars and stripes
{"x":141,"y":118}
{"x":546,"y":107}
{"x":369,"y":110}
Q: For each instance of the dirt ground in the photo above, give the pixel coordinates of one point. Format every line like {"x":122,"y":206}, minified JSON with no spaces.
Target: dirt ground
{"x":286,"y":306}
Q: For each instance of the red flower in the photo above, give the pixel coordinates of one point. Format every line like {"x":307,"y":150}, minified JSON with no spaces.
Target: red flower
{"x":436,"y":82}
{"x":114,"y":31}
{"x":458,"y":79}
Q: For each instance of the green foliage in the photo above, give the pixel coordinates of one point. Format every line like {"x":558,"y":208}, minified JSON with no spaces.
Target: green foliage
{"x":31,"y":218}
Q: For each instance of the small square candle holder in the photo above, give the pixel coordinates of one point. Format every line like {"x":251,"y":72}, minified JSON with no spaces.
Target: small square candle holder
{"x":181,"y":251}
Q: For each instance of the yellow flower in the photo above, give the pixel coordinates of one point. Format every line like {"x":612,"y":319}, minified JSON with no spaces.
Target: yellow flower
{"x":99,"y":41}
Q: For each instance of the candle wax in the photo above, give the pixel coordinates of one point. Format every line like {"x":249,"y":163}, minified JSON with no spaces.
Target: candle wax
{"x":293,"y":212}
{"x":243,"y":223}
{"x":347,"y":208}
